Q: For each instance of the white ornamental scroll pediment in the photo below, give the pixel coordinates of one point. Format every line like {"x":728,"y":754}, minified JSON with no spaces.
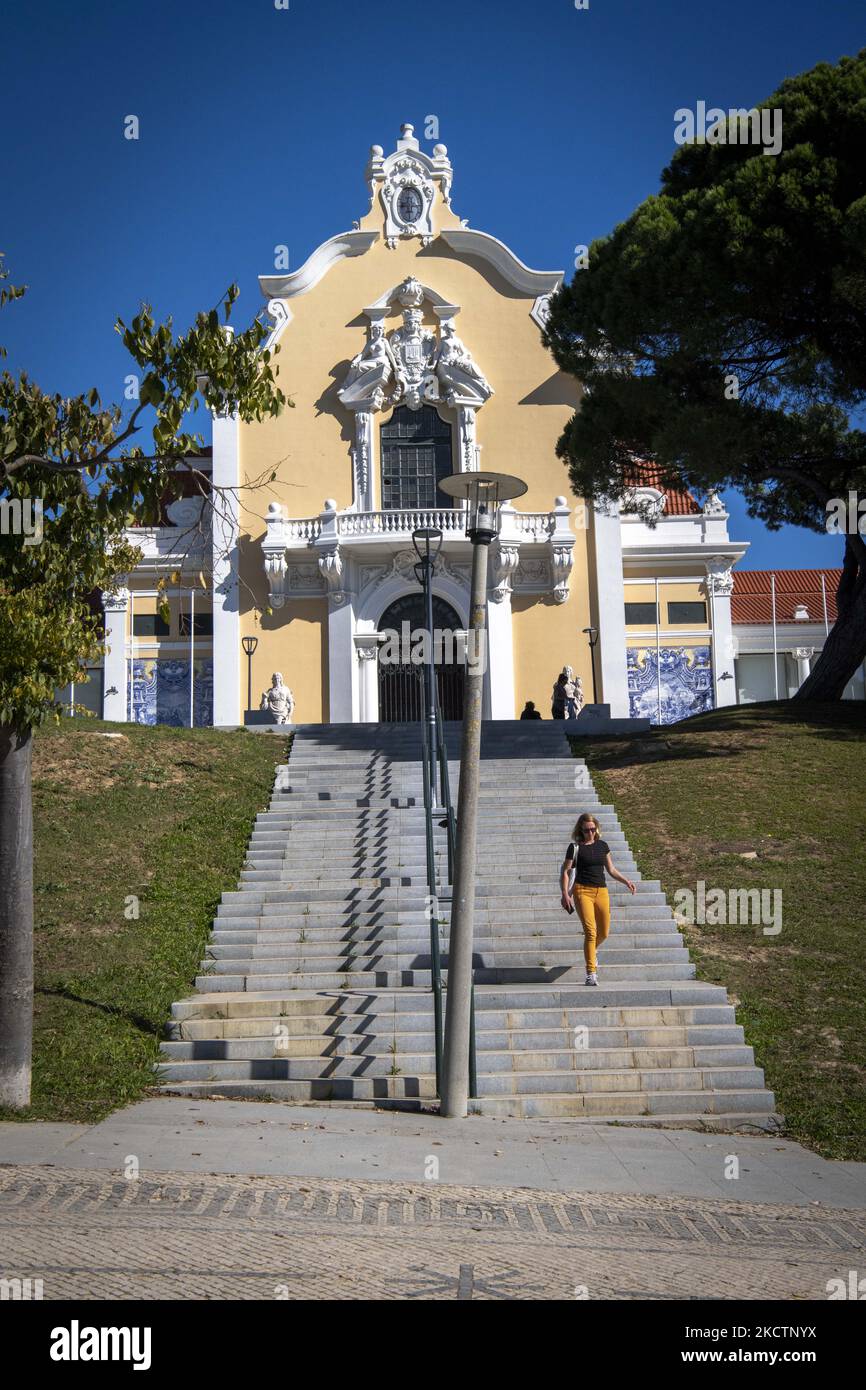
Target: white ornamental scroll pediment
{"x":406,"y":181}
{"x":407,"y":198}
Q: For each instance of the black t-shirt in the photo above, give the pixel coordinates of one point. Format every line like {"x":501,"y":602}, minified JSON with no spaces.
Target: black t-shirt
{"x":589,"y":862}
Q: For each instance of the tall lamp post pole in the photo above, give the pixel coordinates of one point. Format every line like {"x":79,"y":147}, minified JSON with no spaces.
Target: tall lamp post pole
{"x":592,"y":634}
{"x":484,"y":492}
{"x":424,"y":574}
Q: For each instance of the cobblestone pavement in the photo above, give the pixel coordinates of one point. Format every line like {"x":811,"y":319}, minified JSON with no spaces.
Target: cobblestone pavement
{"x":91,"y":1235}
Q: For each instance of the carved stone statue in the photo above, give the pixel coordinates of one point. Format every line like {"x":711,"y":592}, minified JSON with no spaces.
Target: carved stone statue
{"x":457,"y":374}
{"x":568,"y":696}
{"x":376,"y":356}
{"x":574,"y":699}
{"x":370,"y":371}
{"x":279,"y":700}
{"x":568,"y":690}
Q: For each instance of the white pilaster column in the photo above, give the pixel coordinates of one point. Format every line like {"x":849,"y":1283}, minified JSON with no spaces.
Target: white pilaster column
{"x":343,"y":681}
{"x":466,"y":439}
{"x":720,"y":586}
{"x":610,"y":603}
{"x":803,"y":657}
{"x":503,"y":560}
{"x":367,"y":650}
{"x":500,"y":659}
{"x":362,"y":459}
{"x":225,"y":561}
{"x":115,"y":698}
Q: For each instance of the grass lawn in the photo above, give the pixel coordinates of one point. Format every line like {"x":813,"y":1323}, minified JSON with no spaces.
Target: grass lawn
{"x":159,"y":815}
{"x":768,"y":796}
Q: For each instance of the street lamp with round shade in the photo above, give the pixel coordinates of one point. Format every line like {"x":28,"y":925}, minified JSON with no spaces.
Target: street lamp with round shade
{"x":249,"y":645}
{"x":484,"y":493}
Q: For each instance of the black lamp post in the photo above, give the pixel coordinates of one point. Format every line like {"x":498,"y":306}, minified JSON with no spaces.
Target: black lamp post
{"x":592,"y":634}
{"x":249,"y":645}
{"x":484,"y":492}
{"x":421,"y":540}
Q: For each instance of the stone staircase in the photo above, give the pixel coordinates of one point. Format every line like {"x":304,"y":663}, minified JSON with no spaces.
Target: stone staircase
{"x":316,"y":985}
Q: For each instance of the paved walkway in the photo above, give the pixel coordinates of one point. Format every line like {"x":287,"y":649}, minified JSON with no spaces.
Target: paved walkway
{"x":171,"y":1134}
{"x":97,"y":1235}
{"x":257,"y":1201}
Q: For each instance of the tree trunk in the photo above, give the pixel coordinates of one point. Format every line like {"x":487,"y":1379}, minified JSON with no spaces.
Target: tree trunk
{"x":843,"y":652}
{"x":16,"y":917}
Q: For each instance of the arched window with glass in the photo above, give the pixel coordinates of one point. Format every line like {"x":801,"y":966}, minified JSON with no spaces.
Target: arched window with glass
{"x":416,"y":453}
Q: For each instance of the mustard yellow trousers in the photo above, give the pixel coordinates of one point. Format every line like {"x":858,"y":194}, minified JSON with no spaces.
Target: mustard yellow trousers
{"x":593,"y":907}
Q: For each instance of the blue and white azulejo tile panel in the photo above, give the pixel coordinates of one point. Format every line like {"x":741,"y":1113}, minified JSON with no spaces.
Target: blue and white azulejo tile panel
{"x":686,"y":678}
{"x":159,"y":692}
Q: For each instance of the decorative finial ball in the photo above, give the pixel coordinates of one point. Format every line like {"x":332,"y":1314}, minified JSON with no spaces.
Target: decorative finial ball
{"x":560,"y":502}
{"x":440,"y":150}
{"x":376,"y":151}
{"x":406,"y":129}
{"x":330,"y":504}
{"x":274,"y":511}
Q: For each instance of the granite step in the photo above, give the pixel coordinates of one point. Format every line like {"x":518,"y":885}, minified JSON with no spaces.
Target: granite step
{"x":316,"y":983}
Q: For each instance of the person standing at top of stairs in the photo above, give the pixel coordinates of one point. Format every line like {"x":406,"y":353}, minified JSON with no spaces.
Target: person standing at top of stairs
{"x":584,"y":888}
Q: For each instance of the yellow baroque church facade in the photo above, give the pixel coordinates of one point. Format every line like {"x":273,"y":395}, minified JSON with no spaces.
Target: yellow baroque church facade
{"x":411,"y":348}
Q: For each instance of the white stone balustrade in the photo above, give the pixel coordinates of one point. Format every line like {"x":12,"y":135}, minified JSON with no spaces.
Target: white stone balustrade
{"x":401,"y":522}
{"x":297,"y":542}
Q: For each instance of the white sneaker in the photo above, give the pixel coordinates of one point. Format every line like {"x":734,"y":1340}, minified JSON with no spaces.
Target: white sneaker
{"x":591,"y":978}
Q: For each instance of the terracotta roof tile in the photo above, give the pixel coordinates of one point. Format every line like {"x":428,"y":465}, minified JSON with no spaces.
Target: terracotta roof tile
{"x":679,"y":501}
{"x":751,"y":601}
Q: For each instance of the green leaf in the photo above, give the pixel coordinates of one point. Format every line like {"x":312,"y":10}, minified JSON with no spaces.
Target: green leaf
{"x":152,"y":390}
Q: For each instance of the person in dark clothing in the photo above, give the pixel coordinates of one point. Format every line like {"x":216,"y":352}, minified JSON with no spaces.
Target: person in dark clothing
{"x":529,"y":711}
{"x":584,"y":889}
{"x":560,"y":696}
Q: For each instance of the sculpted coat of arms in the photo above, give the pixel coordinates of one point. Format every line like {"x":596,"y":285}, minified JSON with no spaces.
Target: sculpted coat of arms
{"x":412,"y":366}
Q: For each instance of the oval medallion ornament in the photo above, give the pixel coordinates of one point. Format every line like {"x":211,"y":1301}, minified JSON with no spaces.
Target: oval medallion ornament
{"x":409,"y":205}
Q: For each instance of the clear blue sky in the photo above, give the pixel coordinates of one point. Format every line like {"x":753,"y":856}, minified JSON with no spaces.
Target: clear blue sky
{"x":256,"y":124}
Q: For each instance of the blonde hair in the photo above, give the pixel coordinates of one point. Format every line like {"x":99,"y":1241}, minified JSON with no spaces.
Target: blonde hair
{"x":585,"y":816}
